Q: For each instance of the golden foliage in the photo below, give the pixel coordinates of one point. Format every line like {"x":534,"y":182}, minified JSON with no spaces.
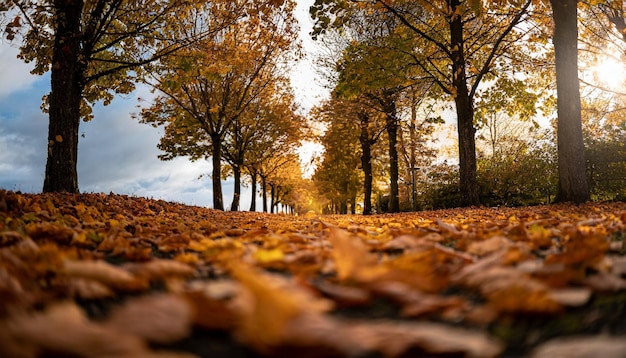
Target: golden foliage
{"x":169,"y":269}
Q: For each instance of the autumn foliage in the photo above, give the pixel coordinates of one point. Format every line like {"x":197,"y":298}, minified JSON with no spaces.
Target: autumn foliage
{"x":94,"y":275}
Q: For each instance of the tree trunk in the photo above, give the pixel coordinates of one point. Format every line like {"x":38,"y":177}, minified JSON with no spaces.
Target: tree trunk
{"x":216,"y":143}
{"x":353,"y":204}
{"x":366,"y":163}
{"x":571,"y":150}
{"x":465,"y":113}
{"x":392,"y":133}
{"x":343,"y":207}
{"x":237,"y":190}
{"x":264,"y":192}
{"x":253,"y":188}
{"x":412,"y":155}
{"x":272,"y":198}
{"x":67,"y":85}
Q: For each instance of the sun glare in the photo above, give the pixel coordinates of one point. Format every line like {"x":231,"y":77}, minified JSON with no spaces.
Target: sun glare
{"x":611,"y":73}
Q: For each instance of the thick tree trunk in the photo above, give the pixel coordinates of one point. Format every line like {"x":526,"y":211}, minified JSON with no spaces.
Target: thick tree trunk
{"x":218,"y":202}
{"x":237,"y":190}
{"x":67,"y":85}
{"x":253,"y":188}
{"x":392,"y":133}
{"x":465,"y":113}
{"x":366,"y":163}
{"x":571,"y":150}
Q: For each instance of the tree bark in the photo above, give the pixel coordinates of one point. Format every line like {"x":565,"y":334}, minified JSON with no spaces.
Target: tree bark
{"x":216,"y":143}
{"x":465,"y":113}
{"x":253,"y":176}
{"x":571,"y":150}
{"x":67,"y":84}
{"x":366,"y":163}
{"x":237,"y":189}
{"x":272,"y":198}
{"x":264,"y":192}
{"x":392,"y":133}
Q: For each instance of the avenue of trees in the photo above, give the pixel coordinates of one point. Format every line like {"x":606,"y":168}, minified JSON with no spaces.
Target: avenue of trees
{"x":491,"y":61}
{"x":509,"y":74}
{"x":218,"y":68}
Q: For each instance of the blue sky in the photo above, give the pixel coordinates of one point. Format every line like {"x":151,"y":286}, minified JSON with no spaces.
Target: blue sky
{"x":117,"y":153}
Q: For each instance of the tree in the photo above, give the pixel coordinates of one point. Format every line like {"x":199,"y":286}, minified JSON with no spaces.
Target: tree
{"x":454,"y":45}
{"x":270,"y":120}
{"x":422,"y":118}
{"x":571,"y":150}
{"x":275,"y":128}
{"x":94,"y":50}
{"x":373,"y":75}
{"x":208,"y":88}
{"x":272,"y":172}
{"x":337,"y":176}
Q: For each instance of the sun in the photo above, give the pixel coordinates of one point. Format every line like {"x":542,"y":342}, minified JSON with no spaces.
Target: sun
{"x":611,"y":73}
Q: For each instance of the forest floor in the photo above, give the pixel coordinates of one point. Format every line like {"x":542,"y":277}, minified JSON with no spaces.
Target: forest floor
{"x":95,"y":275}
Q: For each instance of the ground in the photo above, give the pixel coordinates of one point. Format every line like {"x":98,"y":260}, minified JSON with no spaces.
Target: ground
{"x":95,"y":275}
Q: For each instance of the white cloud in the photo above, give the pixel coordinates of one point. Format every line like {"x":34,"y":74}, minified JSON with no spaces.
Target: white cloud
{"x":117,"y":154}
{"x":15,"y":74}
{"x":308,"y":90}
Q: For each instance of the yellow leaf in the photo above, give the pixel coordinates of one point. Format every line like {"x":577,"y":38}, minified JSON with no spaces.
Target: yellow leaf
{"x":266,"y":311}
{"x":351,"y":255}
{"x":196,"y":246}
{"x":59,"y":138}
{"x":267,"y":256}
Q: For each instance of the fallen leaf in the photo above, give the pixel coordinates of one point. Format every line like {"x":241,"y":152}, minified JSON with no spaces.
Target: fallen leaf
{"x":352,"y":257}
{"x":63,"y":328}
{"x":263,"y":310}
{"x":582,"y":347}
{"x":391,"y":339}
{"x":158,"y":318}
{"x":100,"y":271}
{"x":158,"y":269}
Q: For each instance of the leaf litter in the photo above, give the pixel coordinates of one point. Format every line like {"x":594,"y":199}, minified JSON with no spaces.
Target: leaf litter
{"x":95,"y":275}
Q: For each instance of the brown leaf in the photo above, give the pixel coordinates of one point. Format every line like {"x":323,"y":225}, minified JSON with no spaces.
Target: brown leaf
{"x":520,"y":294}
{"x":158,"y":269}
{"x":391,"y":339}
{"x":572,"y":297}
{"x":264,"y":310}
{"x":63,"y":328}
{"x":102,"y":272}
{"x":265,"y":307}
{"x":352,"y":257}
{"x":344,"y":296}
{"x":88,"y":289}
{"x":582,"y":347}
{"x":209,"y":312}
{"x":159,"y":318}
{"x":489,"y":246}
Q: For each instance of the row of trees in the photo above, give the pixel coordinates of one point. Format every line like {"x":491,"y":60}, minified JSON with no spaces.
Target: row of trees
{"x":220,"y":77}
{"x":218,"y":69}
{"x":489,"y":60}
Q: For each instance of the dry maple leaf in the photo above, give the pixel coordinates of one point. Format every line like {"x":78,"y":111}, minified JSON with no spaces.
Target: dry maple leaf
{"x":103,"y":272}
{"x":353,"y":338}
{"x":159,"y":318}
{"x":64,"y":329}
{"x":265,"y":308}
{"x":582,"y":347}
{"x":352,"y":257}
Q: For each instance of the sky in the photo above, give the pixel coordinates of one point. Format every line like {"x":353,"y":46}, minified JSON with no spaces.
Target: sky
{"x":115,"y":153}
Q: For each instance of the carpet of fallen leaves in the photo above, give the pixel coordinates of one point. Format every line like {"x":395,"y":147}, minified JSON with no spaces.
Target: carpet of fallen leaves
{"x":95,"y":275}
